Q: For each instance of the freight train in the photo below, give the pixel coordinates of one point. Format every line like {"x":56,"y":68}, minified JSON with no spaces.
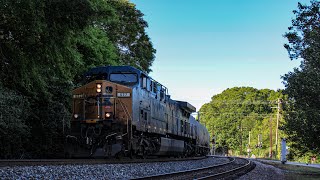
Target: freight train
{"x":121,"y":111}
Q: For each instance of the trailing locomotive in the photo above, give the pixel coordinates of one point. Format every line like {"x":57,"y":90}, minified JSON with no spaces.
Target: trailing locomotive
{"x":123,"y":111}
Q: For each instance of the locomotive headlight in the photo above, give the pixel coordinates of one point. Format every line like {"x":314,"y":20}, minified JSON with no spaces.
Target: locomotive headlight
{"x":99,"y":86}
{"x":75,"y":116}
{"x":108,"y":115}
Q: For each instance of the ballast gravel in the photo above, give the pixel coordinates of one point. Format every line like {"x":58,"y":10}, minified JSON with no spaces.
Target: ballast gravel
{"x":263,"y":171}
{"x":103,"y":171}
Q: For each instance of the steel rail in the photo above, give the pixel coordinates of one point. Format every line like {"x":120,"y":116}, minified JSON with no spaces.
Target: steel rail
{"x":229,"y":172}
{"x":32,"y":162}
{"x":168,"y":175}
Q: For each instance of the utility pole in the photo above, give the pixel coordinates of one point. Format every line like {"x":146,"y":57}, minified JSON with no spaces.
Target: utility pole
{"x":259,"y":143}
{"x":270,"y":153}
{"x":249,"y":149}
{"x":241,"y":137}
{"x":249,"y":138}
{"x":278,"y":117}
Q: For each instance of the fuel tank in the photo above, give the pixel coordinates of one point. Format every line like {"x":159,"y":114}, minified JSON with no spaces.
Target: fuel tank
{"x":170,"y":146}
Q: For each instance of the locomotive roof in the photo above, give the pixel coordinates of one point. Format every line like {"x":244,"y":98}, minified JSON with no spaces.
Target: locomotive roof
{"x":116,"y":69}
{"x":129,"y":69}
{"x":112,"y":69}
{"x":186,"y":106}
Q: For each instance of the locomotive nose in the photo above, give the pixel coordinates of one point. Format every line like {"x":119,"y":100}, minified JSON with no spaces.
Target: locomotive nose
{"x":102,"y":101}
{"x":94,"y":102}
{"x":107,"y":100}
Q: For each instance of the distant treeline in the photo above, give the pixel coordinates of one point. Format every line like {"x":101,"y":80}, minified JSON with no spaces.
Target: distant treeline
{"x":45,"y":46}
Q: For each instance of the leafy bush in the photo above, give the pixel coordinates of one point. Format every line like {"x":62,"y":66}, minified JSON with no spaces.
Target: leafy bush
{"x":14,"y":133}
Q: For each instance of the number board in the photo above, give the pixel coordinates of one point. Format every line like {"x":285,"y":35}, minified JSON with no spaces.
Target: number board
{"x":123,"y":94}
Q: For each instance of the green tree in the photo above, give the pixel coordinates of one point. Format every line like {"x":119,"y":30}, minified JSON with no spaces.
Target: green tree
{"x":129,"y":36}
{"x":302,"y":85}
{"x":237,"y":112}
{"x":45,"y":46}
{"x":14,"y":109}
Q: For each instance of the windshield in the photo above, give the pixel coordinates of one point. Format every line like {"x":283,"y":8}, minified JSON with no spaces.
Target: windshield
{"x":124,"y":78}
{"x":96,"y":77}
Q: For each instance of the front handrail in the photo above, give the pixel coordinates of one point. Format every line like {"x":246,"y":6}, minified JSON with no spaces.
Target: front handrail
{"x":124,"y":107}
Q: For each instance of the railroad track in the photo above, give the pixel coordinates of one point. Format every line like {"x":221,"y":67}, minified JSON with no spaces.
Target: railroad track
{"x":232,"y":169}
{"x":35,"y":162}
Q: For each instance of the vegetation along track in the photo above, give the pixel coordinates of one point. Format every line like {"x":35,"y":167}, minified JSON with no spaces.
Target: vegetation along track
{"x":235,"y":167}
{"x":34,"y":162}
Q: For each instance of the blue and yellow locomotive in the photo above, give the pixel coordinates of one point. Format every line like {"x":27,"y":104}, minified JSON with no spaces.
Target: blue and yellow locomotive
{"x":122,"y":111}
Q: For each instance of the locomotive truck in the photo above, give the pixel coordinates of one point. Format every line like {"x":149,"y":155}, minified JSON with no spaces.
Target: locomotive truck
{"x":121,"y":111}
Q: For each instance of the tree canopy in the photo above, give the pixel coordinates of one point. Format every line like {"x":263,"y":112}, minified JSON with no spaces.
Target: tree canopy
{"x":45,"y":46}
{"x":302,"y":85}
{"x":237,"y":112}
{"x":129,"y":36}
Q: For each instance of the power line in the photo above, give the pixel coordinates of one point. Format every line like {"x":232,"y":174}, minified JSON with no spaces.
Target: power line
{"x":247,"y":102}
{"x":243,"y":114}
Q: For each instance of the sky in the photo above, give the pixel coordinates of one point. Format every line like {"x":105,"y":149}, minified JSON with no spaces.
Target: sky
{"x":206,"y":46}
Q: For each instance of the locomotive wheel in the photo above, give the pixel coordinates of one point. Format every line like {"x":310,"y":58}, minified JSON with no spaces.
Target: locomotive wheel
{"x":69,"y":151}
{"x":142,"y":150}
{"x":144,"y":153}
{"x":120,"y":155}
{"x":132,"y":153}
{"x":67,"y":155}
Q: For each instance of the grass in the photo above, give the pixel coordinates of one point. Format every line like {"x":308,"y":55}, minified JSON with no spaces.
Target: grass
{"x":298,"y":172}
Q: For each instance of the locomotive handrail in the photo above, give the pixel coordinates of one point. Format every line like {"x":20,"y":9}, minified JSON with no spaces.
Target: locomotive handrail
{"x":128,"y":116}
{"x":110,"y":135}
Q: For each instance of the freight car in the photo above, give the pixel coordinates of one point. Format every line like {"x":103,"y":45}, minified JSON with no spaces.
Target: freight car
{"x":122,"y":111}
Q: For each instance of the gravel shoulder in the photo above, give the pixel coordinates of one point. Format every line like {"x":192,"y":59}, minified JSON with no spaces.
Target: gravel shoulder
{"x":264,"y":171}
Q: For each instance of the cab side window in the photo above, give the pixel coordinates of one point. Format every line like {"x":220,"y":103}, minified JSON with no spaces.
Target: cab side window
{"x":161,"y":94}
{"x":154,"y":87}
{"x":141,"y":82}
{"x":181,"y":126}
{"x":144,"y":82}
{"x":148,"y":84}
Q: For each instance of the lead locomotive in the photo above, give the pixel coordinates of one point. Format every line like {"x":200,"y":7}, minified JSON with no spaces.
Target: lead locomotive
{"x":122,"y":111}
